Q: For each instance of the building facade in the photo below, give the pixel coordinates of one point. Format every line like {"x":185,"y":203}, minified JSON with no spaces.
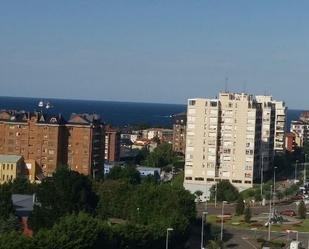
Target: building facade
{"x":112,"y":144}
{"x":52,"y":141}
{"x":280,"y":126}
{"x":268,"y":109}
{"x":34,"y":136}
{"x":179,"y":133}
{"x":223,"y":141}
{"x":301,"y":128}
{"x":11,"y":167}
{"x":85,"y":143}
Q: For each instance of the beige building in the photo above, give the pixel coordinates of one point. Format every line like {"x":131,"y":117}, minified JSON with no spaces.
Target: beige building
{"x":11,"y":167}
{"x":280,"y":126}
{"x":222,"y":141}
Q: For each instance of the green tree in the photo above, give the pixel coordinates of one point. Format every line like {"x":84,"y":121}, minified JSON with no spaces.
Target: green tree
{"x":72,"y":232}
{"x":64,"y":193}
{"x":257,"y":195}
{"x":128,"y":173}
{"x":9,"y":224}
{"x":156,"y":206}
{"x":22,"y":186}
{"x":225,"y":192}
{"x":215,"y":244}
{"x":302,"y":210}
{"x":247,"y":214}
{"x":161,"y":156}
{"x":15,"y":240}
{"x":240,"y":206}
{"x":6,"y":204}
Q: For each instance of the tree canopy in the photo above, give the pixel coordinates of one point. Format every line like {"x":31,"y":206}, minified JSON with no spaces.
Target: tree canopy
{"x":66,"y":192}
{"x":161,"y":156}
{"x":225,"y":191}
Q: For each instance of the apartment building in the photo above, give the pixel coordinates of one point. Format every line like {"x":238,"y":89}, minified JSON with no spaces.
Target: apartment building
{"x":280,"y":126}
{"x":35,"y":136}
{"x":11,"y":167}
{"x":112,"y":144}
{"x":164,"y":135}
{"x":51,"y":141}
{"x":85,"y":143}
{"x":179,"y":133}
{"x":301,"y":127}
{"x":222,"y":141}
{"x":268,"y":108}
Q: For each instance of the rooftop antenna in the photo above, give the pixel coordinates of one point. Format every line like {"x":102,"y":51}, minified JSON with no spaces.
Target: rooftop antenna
{"x":226,"y":84}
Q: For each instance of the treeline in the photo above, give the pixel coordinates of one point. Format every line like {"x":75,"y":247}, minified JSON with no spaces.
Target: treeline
{"x":122,"y":211}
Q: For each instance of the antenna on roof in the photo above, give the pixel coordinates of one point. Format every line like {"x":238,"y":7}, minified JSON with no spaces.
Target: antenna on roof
{"x":226,"y":84}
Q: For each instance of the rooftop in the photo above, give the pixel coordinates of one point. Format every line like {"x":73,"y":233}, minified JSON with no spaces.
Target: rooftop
{"x":9,"y":158}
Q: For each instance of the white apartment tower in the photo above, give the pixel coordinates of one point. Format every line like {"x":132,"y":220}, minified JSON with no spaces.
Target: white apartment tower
{"x":223,"y":141}
{"x":280,"y":125}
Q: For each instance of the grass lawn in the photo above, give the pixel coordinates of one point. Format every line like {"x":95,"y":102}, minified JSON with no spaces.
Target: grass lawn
{"x":238,"y":222}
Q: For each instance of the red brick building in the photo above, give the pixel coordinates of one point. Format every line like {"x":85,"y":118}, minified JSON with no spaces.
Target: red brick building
{"x":112,"y":144}
{"x":51,"y":141}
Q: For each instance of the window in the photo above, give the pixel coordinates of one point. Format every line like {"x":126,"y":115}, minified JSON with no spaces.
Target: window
{"x":236,"y":181}
{"x":199,"y":178}
{"x":189,"y":178}
{"x":192,"y":102}
{"x":213,"y":103}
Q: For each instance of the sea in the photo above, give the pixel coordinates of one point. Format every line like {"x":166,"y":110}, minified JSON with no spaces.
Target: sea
{"x":118,"y":114}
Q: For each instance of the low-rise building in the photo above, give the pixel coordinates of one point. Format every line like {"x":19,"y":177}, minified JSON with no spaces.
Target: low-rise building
{"x":292,"y":140}
{"x":11,"y":167}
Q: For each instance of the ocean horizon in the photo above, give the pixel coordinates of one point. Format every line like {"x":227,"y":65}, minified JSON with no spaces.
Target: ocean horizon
{"x":116,"y":113}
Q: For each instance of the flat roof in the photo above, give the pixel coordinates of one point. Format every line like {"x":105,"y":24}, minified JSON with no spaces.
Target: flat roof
{"x":9,"y":158}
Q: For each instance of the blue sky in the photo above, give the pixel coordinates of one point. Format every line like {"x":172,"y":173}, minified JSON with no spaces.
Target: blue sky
{"x":154,"y":51}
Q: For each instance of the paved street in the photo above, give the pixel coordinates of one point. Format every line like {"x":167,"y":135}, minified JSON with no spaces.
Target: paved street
{"x":239,"y":238}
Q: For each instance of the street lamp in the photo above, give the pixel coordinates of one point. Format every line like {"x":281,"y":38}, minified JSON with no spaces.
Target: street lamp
{"x":202,"y":230}
{"x":262,"y":174}
{"x":269,"y":218}
{"x":216,"y":187}
{"x":296,"y":170}
{"x":274,"y":192}
{"x":222,"y":215}
{"x":167,"y":231}
{"x":305,"y":169}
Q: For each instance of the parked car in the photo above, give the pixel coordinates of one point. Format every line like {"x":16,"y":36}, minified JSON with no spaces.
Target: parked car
{"x":288,"y":212}
{"x":298,"y":197}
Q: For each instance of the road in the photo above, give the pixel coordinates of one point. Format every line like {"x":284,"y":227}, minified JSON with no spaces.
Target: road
{"x":230,"y":208}
{"x":240,"y":238}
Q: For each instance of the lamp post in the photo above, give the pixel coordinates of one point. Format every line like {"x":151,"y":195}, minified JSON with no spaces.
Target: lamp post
{"x":202,"y":230}
{"x":269,"y":218}
{"x":296,"y":170}
{"x":274,"y":192}
{"x":167,"y":232}
{"x":216,"y":186}
{"x":305,"y":170}
{"x":222,"y":219}
{"x":262,"y":174}
{"x":206,"y":190}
